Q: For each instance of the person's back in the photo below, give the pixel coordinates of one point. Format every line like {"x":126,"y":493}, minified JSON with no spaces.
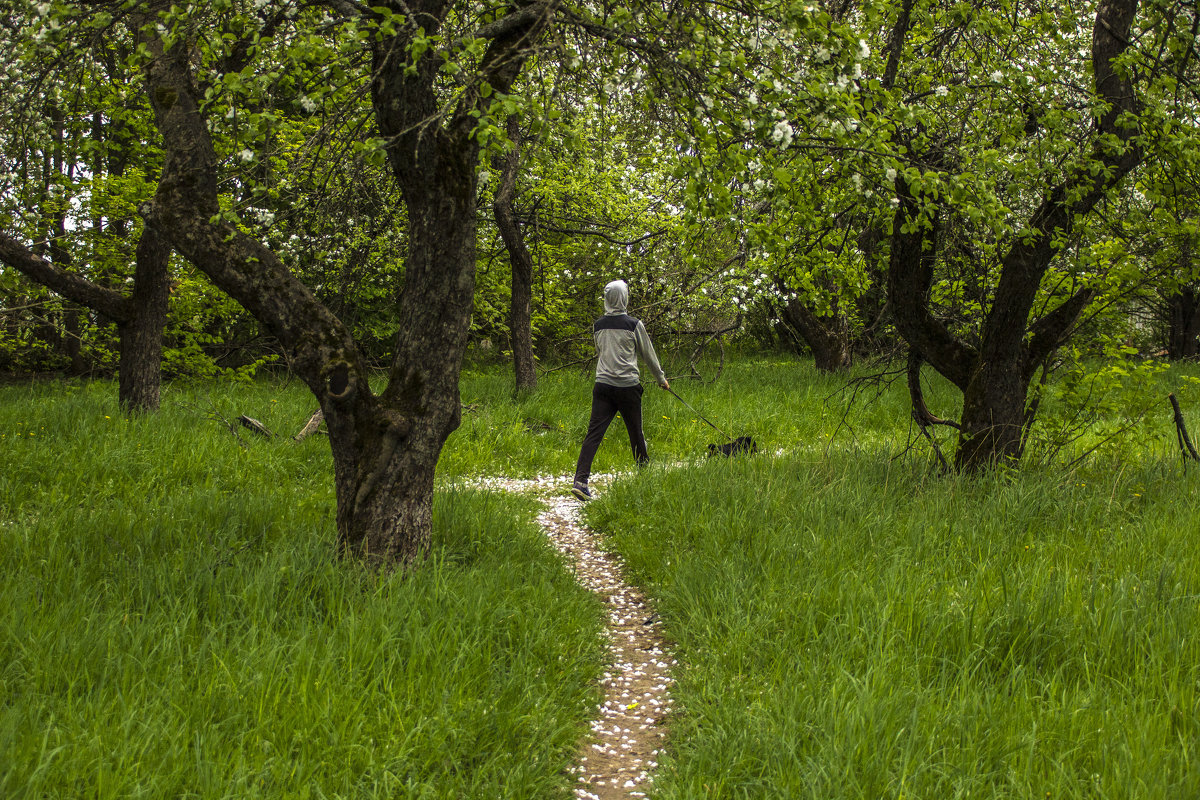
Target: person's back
{"x":620,"y":341}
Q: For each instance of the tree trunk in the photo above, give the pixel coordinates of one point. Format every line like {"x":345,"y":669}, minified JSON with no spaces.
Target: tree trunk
{"x":520,"y":324}
{"x":73,"y":339}
{"x":827,"y":337}
{"x":995,"y":378}
{"x":385,"y":448}
{"x":140,"y":319}
{"x":1183,"y":308}
{"x":385,"y":490}
{"x":993,"y":416}
{"x":139,"y":373}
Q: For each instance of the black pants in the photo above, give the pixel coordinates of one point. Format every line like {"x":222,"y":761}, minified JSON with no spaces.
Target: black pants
{"x":607,"y":402}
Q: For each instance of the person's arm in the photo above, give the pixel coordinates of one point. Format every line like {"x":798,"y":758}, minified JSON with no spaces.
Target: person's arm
{"x":646,"y":351}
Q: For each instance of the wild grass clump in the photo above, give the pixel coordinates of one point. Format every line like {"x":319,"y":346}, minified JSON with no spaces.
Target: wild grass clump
{"x":174,"y":621}
{"x":858,"y":627}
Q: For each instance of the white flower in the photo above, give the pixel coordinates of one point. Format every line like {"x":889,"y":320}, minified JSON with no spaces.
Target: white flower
{"x":822,"y":53}
{"x":941,"y":91}
{"x":863,"y":49}
{"x":997,"y":76}
{"x":708,"y":101}
{"x":753,"y":98}
{"x":246,"y":155}
{"x":308,"y":103}
{"x":891,"y":173}
{"x":781,"y":134}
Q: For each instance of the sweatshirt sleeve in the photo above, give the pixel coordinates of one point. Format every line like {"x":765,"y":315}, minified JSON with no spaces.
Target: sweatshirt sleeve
{"x":646,"y":351}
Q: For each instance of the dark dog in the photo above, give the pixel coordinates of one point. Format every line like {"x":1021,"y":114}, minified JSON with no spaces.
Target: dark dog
{"x":742,"y":444}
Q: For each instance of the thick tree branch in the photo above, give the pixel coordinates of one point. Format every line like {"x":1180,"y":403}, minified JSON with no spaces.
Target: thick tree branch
{"x":909,"y":278}
{"x":73,"y":287}
{"x":1051,"y":330}
{"x":1115,"y":150}
{"x":186,"y":209}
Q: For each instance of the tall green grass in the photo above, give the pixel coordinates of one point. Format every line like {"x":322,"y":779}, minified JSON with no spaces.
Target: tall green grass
{"x":855,"y":626}
{"x":849,"y":621}
{"x":174,"y":621}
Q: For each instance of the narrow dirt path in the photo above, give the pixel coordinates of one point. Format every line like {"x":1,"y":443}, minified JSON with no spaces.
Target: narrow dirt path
{"x":628,"y":733}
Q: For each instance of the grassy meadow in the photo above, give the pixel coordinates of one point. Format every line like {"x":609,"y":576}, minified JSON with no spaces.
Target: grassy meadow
{"x":174,"y":623}
{"x":849,"y":621}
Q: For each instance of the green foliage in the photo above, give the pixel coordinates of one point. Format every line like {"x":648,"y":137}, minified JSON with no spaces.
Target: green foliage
{"x":1102,"y":403}
{"x":176,"y":622}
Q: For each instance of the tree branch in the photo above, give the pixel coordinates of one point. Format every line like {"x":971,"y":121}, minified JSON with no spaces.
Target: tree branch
{"x":186,"y":209}
{"x":1050,"y":331}
{"x":909,"y":278}
{"x":73,"y":287}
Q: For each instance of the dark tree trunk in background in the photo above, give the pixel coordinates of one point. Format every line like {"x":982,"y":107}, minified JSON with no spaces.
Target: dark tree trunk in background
{"x":1183,"y":314}
{"x":140,"y":318}
{"x":386,"y":447}
{"x":995,"y":377}
{"x":1183,"y":309}
{"x":520,"y":323}
{"x":827,"y":336}
{"x":141,"y":333}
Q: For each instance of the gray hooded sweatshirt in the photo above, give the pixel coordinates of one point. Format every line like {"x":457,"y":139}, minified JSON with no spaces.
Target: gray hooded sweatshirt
{"x":620,"y":340}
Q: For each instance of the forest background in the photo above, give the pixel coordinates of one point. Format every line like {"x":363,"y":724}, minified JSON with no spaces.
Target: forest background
{"x":1006,"y":194}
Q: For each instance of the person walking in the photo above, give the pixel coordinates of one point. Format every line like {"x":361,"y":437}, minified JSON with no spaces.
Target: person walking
{"x":620,"y":341}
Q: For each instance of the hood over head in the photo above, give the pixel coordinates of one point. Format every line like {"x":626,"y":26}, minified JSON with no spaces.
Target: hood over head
{"x":616,"y":297}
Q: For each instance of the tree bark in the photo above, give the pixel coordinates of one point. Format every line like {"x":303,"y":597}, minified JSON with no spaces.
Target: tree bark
{"x":1183,"y":309}
{"x":1183,"y":313}
{"x":520,"y":324}
{"x":139,"y":373}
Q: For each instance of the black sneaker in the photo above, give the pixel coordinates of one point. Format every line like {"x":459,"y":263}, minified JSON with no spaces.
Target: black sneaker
{"x":580,"y":490}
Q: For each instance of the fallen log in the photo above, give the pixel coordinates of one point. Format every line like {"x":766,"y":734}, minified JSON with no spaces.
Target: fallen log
{"x":311,"y":426}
